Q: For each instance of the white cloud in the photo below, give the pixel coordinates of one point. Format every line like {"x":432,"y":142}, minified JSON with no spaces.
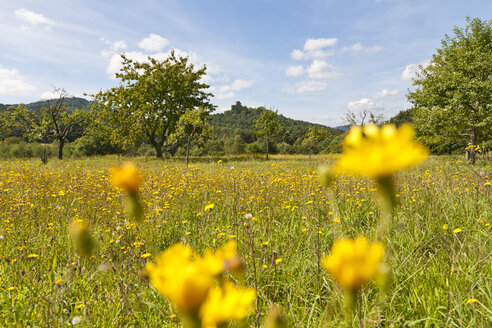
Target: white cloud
{"x":297,"y":54}
{"x":361,"y":104}
{"x":315,"y":49}
{"x":12,"y":83}
{"x":295,"y":71}
{"x":385,"y":93}
{"x":318,"y":44}
{"x":32,"y":19}
{"x":358,"y":47}
{"x":153,"y":43}
{"x":319,"y":69}
{"x":310,"y":86}
{"x":228,"y":91}
{"x":49,"y":95}
{"x":54,"y":94}
{"x":226,"y":95}
{"x":119,"y":45}
{"x":410,"y":71}
{"x":113,"y":47}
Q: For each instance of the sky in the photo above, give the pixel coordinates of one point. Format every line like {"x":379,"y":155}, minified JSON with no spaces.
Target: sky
{"x":310,"y":60}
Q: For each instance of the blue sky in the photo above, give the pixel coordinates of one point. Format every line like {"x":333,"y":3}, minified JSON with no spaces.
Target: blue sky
{"x":310,"y":60}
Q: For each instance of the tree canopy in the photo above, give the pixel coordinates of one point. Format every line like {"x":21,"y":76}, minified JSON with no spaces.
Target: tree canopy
{"x":193,"y":127}
{"x":268,"y":127}
{"x":453,"y":97}
{"x":151,"y":98}
{"x":55,"y":121}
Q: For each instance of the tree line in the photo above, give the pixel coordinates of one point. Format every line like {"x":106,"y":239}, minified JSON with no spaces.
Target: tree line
{"x":164,"y":108}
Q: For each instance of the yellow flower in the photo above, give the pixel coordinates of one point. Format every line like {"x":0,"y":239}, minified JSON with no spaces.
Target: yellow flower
{"x":184,"y":277}
{"x":354,"y":263}
{"x":209,"y":207}
{"x":223,"y":258}
{"x":145,"y":255}
{"x":80,"y":234}
{"x":227,"y":304}
{"x":471,"y":300}
{"x":445,"y":226}
{"x":31,"y":256}
{"x":378,"y":152}
{"x":127,"y":177}
{"x":181,"y":276}
{"x":457,"y":230}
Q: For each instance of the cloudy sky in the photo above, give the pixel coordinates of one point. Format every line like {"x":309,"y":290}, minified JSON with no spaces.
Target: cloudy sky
{"x":310,"y":60}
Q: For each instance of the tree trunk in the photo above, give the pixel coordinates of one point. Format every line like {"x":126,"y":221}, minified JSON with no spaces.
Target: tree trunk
{"x":158,"y":151}
{"x":60,"y":148}
{"x":187,"y":150}
{"x":267,"y":149}
{"x":473,"y":141}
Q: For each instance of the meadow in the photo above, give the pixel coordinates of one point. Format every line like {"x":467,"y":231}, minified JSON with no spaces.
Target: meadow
{"x":438,"y":251}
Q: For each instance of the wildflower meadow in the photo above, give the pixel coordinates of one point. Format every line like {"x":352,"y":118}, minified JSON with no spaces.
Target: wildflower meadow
{"x":380,"y":236}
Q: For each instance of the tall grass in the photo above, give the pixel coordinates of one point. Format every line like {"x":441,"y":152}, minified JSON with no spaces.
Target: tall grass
{"x":439,"y":277}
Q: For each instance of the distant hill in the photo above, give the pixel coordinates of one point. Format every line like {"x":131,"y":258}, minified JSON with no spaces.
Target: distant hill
{"x":72,"y":103}
{"x":240,"y":120}
{"x":341,"y":128}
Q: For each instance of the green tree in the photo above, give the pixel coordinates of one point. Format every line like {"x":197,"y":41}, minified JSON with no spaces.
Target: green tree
{"x":193,"y":127}
{"x":52,"y":122}
{"x":453,"y":97}
{"x":268,"y":127}
{"x":314,"y":135}
{"x":151,"y":98}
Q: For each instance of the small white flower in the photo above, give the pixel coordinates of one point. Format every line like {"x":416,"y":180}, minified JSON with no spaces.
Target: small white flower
{"x":248,"y":216}
{"x":76,"y":320}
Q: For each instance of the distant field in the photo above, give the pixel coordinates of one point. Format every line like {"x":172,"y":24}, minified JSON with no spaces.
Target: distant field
{"x":439,"y":251}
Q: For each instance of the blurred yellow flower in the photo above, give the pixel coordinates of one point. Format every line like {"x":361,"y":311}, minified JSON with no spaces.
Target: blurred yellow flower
{"x":181,"y":276}
{"x":471,"y":300}
{"x":220,"y":259}
{"x":209,"y":207}
{"x":184,"y":277}
{"x":227,"y":304}
{"x":457,"y":230}
{"x":126,"y":176}
{"x":80,"y":234}
{"x":378,"y":152}
{"x":354,"y":263}
{"x":31,"y":256}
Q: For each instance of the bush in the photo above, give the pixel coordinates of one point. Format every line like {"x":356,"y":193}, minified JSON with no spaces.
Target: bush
{"x":284,"y":148}
{"x":254,"y":148}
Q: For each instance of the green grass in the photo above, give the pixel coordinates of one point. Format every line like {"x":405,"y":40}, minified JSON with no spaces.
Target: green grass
{"x":434,"y":272}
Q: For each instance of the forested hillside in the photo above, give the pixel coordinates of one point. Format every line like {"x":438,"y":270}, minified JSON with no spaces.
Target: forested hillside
{"x":234,"y":128}
{"x":72,"y":103}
